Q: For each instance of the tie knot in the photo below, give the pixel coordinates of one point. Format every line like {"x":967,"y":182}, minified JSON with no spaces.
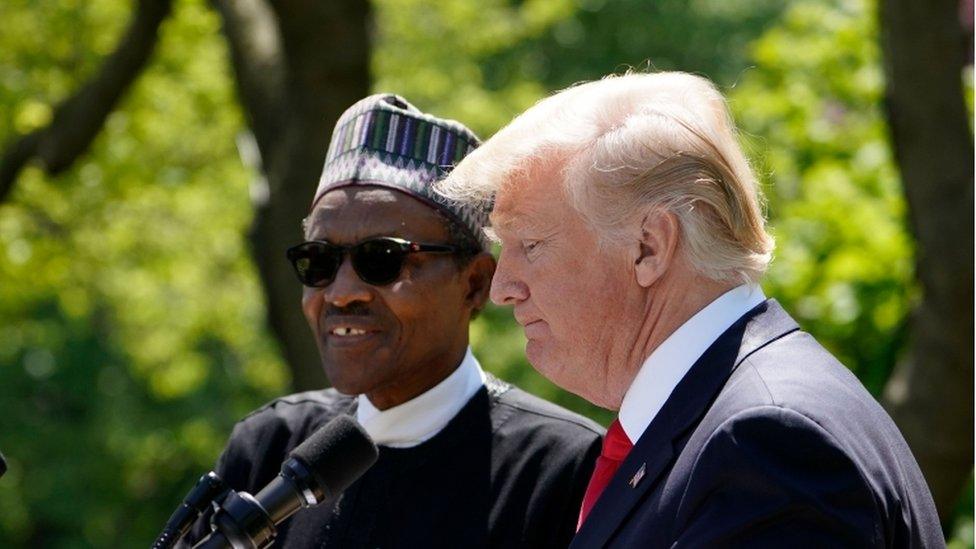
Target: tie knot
{"x":616,"y":445}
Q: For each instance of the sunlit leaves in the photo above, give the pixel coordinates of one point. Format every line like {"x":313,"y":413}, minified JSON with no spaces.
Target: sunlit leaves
{"x":811,"y":110}
{"x":132,"y":331}
{"x":434,"y":53}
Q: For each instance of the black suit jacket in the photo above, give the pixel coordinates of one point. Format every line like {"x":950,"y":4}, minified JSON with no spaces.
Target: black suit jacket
{"x":768,"y":441}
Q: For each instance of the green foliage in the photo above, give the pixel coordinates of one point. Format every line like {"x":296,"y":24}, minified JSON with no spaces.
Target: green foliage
{"x":131,"y":322}
{"x":707,"y":37}
{"x":437,"y":59}
{"x":132,"y":330}
{"x":961,"y":532}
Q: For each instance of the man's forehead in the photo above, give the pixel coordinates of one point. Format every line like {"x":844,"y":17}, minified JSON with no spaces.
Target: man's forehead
{"x":340,"y":198}
{"x":364,"y":198}
{"x":516,"y":218}
{"x":526,"y":204}
{"x":367,"y":211}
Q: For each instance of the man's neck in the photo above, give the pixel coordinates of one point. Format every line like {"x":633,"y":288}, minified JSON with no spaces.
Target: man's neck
{"x":671,"y":361}
{"x":666,"y":307}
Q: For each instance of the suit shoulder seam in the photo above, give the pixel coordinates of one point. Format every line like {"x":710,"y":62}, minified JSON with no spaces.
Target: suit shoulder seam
{"x":765,"y":344}
{"x":564,"y":419}
{"x":283,"y":402}
{"x":769,"y":393}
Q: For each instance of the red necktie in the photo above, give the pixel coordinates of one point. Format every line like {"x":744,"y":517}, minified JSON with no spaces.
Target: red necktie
{"x":616,"y":446}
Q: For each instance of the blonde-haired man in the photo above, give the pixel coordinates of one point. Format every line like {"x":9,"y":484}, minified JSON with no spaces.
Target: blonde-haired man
{"x":633,"y":244}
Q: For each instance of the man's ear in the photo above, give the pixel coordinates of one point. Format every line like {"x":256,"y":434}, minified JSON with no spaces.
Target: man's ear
{"x":478,"y":274}
{"x":656,"y":246}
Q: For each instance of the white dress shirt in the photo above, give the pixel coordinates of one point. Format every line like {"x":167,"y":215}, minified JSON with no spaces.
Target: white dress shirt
{"x":423,"y":416}
{"x":668,"y":364}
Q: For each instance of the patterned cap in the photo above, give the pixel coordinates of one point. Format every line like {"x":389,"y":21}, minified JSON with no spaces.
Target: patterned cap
{"x":384,"y":140}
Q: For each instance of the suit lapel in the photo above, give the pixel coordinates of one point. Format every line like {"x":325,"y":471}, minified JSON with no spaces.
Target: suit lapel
{"x":653,"y":453}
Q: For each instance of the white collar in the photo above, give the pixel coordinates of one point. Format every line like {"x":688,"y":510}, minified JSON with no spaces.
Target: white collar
{"x":423,"y":416}
{"x":671,"y":360}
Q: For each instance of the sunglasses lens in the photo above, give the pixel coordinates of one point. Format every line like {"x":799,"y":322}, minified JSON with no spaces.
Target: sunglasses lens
{"x":315,"y":264}
{"x":378,"y":261}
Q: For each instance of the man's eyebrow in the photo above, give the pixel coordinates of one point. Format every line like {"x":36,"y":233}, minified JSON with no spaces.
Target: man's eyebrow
{"x":500,"y":221}
{"x":368,"y":236}
{"x":518,"y":221}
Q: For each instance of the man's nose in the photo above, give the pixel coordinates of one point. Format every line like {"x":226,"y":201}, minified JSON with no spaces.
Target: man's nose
{"x":347,"y":288}
{"x":506,"y":287}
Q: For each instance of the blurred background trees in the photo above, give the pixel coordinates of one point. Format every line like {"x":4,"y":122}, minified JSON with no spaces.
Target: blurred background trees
{"x":144,"y":302}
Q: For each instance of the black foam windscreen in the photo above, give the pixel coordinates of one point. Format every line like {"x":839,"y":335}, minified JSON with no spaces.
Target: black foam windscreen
{"x":3,"y":465}
{"x":337,"y":454}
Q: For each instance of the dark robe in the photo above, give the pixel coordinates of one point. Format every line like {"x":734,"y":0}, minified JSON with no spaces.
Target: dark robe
{"x":509,"y":470}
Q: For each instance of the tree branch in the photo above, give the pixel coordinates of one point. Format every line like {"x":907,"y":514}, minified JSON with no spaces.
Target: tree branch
{"x":255,"y":41}
{"x":78,"y":119}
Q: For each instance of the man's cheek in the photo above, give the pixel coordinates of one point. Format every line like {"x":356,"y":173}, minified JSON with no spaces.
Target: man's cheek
{"x":311,"y":307}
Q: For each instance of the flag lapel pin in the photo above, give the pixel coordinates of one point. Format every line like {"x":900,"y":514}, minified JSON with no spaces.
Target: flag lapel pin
{"x":637,"y":476}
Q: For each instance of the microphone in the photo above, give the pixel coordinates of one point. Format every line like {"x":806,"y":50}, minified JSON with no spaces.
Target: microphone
{"x":3,"y":465}
{"x":316,"y":471}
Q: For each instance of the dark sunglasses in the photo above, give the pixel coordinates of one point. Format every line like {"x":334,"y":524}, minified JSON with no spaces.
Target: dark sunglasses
{"x":377,"y":261}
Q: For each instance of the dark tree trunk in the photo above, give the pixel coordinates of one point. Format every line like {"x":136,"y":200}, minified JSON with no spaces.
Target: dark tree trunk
{"x":299,"y":65}
{"x":930,"y":394}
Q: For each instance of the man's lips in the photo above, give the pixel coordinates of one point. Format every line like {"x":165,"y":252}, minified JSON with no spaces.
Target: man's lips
{"x":344,"y":331}
{"x":349,"y":328}
{"x":535,"y":328}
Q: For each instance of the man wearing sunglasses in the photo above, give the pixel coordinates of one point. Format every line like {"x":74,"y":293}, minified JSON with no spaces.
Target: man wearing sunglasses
{"x":392,"y":275}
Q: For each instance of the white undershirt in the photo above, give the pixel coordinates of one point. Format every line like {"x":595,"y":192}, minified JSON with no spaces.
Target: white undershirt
{"x":671,"y":360}
{"x":423,"y":416}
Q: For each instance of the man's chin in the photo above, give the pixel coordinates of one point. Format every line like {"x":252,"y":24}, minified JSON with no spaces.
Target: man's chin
{"x":536,"y":355}
{"x":561,"y":372}
{"x":347,"y":382}
{"x":545,"y":363}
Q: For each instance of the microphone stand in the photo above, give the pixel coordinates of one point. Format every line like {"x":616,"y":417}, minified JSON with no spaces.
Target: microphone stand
{"x":243,"y":521}
{"x":239,"y":523}
{"x":318,"y":470}
{"x":210,"y":487}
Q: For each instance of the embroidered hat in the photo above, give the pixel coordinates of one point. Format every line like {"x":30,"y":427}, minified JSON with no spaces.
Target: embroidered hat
{"x":384,"y":140}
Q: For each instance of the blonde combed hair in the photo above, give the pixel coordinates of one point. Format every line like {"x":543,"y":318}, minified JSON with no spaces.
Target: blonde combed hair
{"x":628,"y":144}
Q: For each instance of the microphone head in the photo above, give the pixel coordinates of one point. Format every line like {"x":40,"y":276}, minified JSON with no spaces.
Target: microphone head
{"x":3,"y":465}
{"x":337,"y":454}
